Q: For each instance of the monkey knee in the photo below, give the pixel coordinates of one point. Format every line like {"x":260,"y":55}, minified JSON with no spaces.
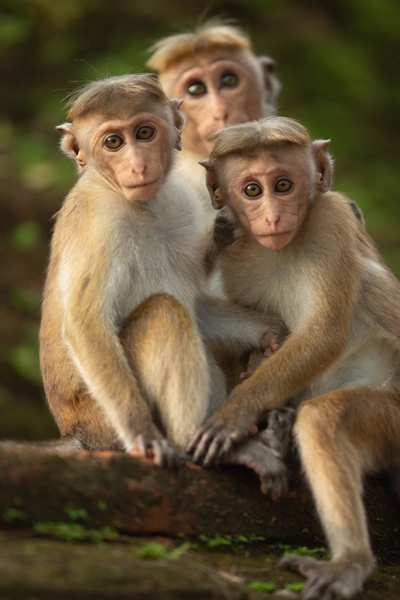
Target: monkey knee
{"x":156,"y":317}
{"x":314,"y":420}
{"x":153,"y":307}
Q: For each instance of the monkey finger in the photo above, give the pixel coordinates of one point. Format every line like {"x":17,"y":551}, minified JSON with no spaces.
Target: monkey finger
{"x":195,"y":441}
{"x":202,"y":439}
{"x":165,"y":455}
{"x":245,"y":375}
{"x":269,"y":340}
{"x":219,"y":447}
{"x":237,"y":432}
{"x":275,"y":485}
{"x":143,"y":446}
{"x":206,"y":450}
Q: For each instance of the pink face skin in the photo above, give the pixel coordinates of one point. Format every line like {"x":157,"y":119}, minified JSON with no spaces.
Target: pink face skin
{"x":217,"y":91}
{"x":270,"y":194}
{"x":133,"y":154}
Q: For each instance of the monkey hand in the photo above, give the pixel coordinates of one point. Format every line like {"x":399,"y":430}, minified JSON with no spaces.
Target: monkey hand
{"x":160,"y":451}
{"x":226,"y":230}
{"x":262,"y":454}
{"x":277,"y":424}
{"x":215,"y":438}
{"x":270,"y":342}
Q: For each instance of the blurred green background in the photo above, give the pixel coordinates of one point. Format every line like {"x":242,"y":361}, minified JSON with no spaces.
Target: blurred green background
{"x":338,"y":61}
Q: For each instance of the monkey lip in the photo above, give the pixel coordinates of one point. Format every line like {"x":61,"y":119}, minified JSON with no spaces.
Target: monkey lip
{"x":275,"y":241}
{"x":267,"y":235}
{"x":141,"y":185}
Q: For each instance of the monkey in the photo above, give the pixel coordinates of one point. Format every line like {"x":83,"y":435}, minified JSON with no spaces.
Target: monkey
{"x":126,"y":328}
{"x":221,"y":81}
{"x":295,"y":248}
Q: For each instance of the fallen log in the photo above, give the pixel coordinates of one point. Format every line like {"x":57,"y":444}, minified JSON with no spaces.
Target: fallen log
{"x":117,"y":490}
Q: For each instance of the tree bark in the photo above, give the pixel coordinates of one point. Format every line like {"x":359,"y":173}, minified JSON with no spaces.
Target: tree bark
{"x":142,"y":499}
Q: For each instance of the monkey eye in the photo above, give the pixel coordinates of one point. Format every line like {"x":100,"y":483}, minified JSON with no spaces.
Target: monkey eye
{"x":113,"y":142}
{"x":229,"y":80}
{"x":282,"y":186}
{"x":252,"y":190}
{"x":197,"y":88}
{"x":145,"y":132}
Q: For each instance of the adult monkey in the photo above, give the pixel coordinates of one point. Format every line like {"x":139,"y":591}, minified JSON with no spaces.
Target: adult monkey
{"x":296,"y":248}
{"x":122,"y":354}
{"x":221,"y":81}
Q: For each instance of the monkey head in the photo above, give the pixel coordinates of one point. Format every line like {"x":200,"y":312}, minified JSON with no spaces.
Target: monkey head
{"x":219,"y":79}
{"x":267,"y":172}
{"x":125,"y":129}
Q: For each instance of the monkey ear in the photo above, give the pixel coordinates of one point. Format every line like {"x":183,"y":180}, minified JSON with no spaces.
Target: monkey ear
{"x":323,"y":163}
{"x":270,"y":82}
{"x":69,"y":145}
{"x":179,"y":121}
{"x":217,"y":198}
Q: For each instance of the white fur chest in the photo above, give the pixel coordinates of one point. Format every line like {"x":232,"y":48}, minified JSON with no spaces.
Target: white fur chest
{"x":267,"y":281}
{"x":161,"y":252}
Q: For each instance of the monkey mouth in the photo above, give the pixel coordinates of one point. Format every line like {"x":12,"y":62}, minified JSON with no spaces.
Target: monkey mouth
{"x":277,"y":234}
{"x":142,"y":185}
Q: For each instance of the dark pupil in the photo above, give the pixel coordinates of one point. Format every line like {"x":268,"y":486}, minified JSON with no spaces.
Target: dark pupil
{"x":229,"y":79}
{"x":113,"y":141}
{"x":252,"y":189}
{"x":284,"y":185}
{"x":144,"y":133}
{"x":197,"y":88}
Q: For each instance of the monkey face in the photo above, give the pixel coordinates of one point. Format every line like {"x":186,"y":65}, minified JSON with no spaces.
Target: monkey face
{"x":269,"y":193}
{"x":217,"y":91}
{"x":133,"y":154}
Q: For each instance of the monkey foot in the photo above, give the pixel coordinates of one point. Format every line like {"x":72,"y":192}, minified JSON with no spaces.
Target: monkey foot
{"x":329,"y":580}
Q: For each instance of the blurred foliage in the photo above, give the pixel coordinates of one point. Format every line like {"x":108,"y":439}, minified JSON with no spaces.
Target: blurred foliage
{"x":337,"y":61}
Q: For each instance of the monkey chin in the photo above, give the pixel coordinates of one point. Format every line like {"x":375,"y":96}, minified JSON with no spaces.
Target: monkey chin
{"x":275,"y":241}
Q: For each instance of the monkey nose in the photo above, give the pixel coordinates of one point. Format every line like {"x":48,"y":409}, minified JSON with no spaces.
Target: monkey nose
{"x":273,"y":220}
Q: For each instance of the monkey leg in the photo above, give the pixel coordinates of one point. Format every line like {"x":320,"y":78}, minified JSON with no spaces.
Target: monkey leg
{"x":340,"y":436}
{"x":265,"y":452}
{"x":168,"y":358}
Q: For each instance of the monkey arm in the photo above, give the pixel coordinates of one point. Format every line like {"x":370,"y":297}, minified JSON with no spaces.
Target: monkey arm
{"x":234,"y":327}
{"x":290,"y":369}
{"x":99,"y":358}
{"x":90,"y":332}
{"x":313,"y":347}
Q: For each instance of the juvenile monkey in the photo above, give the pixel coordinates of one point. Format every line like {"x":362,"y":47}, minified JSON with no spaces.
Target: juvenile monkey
{"x":124,"y":320}
{"x":299,"y":251}
{"x":221,"y":81}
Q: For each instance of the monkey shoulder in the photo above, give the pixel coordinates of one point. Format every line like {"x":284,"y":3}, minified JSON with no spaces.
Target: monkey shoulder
{"x":193,"y":174}
{"x":181,"y":202}
{"x":330,"y":215}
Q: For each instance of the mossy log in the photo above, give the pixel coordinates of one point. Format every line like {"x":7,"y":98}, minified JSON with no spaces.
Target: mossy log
{"x":142,"y":499}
